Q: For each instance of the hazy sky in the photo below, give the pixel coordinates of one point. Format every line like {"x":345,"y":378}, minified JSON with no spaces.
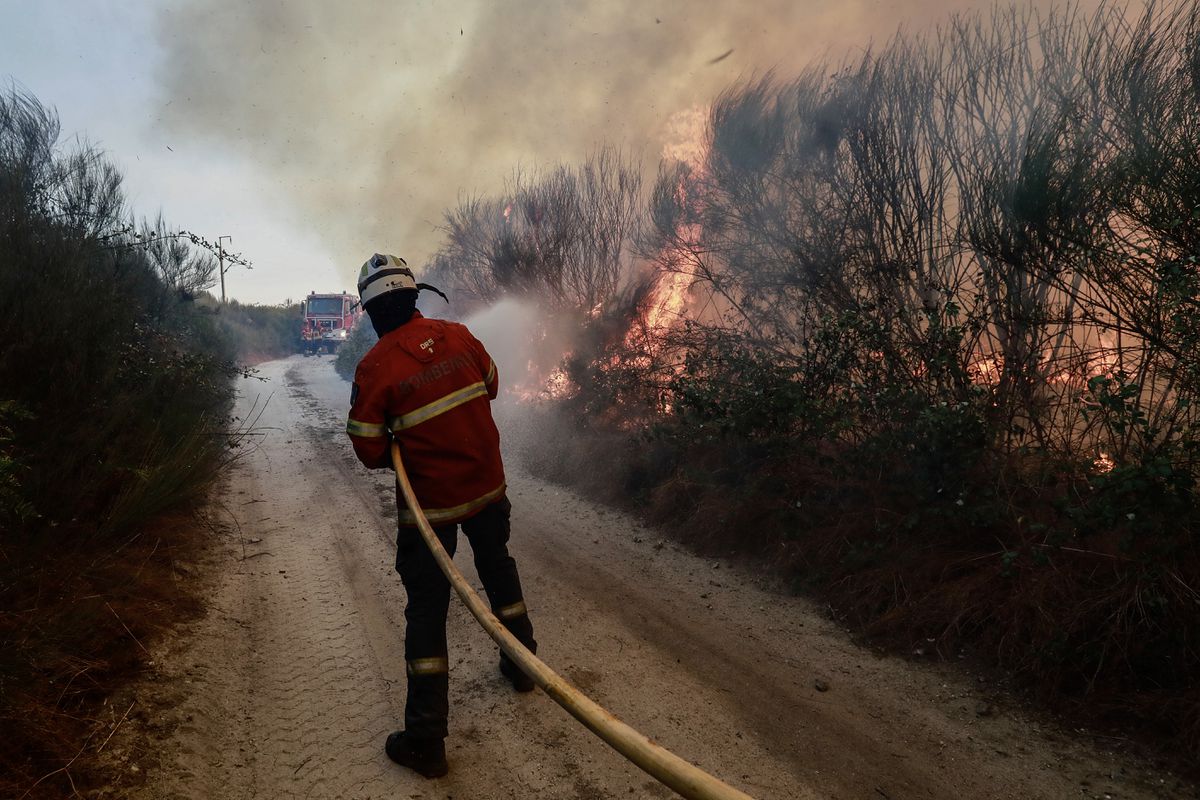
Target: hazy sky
{"x":316,"y":133}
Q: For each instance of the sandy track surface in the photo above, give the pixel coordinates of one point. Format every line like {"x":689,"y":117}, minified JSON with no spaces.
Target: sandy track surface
{"x":287,"y":688}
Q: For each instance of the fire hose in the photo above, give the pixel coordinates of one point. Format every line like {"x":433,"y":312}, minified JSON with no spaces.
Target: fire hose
{"x":669,"y":769}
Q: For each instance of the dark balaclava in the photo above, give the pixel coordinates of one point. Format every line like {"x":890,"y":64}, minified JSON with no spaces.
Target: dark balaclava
{"x":390,"y":311}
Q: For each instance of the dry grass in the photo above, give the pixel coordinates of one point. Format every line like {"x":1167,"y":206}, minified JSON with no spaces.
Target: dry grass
{"x":78,"y":623}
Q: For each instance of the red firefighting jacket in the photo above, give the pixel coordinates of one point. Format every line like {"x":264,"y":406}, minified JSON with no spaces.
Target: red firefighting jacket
{"x":430,"y":383}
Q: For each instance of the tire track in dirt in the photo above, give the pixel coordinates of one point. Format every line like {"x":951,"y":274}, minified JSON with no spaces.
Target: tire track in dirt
{"x":291,"y":703}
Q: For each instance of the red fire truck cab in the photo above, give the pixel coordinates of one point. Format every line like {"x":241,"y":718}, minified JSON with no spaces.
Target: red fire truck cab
{"x":328,"y":319}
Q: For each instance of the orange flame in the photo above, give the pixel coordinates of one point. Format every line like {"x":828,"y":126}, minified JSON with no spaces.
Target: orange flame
{"x":668,"y":300}
{"x":685,"y":139}
{"x":556,"y":384}
{"x":987,"y":370}
{"x":686,"y":135}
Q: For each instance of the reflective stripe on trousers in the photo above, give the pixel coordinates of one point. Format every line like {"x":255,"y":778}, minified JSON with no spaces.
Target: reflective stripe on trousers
{"x":427,"y":705}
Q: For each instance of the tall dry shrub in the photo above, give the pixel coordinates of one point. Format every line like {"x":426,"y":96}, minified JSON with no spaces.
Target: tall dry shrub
{"x":563,"y":238}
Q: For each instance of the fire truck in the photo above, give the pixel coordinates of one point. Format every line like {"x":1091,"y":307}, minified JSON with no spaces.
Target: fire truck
{"x":328,"y":319}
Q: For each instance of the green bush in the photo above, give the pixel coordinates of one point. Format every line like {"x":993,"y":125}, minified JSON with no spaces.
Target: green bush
{"x":123,"y":382}
{"x":258,"y":332}
{"x":361,"y":339}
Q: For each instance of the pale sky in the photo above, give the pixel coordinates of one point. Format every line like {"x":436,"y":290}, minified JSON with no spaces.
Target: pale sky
{"x":95,"y":62}
{"x":316,"y":133}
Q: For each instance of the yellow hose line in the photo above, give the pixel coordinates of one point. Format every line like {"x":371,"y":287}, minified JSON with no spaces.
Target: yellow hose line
{"x":686,"y":779}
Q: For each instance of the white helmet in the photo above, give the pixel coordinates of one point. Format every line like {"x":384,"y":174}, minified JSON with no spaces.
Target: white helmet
{"x":382,"y":274}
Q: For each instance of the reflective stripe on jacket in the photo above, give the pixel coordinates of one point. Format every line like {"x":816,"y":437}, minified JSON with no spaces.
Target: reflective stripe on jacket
{"x":430,"y":384}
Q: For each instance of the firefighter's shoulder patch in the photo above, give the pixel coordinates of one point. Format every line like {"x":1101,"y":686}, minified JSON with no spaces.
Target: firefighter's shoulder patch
{"x":353,"y":394}
{"x":424,"y":344}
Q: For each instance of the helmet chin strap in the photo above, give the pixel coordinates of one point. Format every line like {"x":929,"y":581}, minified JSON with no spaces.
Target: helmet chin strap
{"x":421,"y":286}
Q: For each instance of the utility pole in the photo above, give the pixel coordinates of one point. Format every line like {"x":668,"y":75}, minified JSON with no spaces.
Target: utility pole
{"x":221,"y":261}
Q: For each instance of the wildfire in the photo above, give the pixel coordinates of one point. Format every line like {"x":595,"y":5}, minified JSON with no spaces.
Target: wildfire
{"x":1074,"y":371}
{"x":1104,"y":463}
{"x":555,"y":385}
{"x":987,"y":370}
{"x":668,"y":300}
{"x":686,"y":140}
{"x":686,"y":137}
{"x":1103,"y":361}
{"x":1062,"y":376}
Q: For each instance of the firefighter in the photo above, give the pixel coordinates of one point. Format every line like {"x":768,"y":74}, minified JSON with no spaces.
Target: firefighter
{"x":429,"y":384}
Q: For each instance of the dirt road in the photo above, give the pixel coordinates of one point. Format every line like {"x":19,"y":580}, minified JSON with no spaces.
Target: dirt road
{"x":290,"y":684}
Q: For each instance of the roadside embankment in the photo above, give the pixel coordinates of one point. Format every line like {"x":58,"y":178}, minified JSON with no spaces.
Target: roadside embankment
{"x":114,"y":393}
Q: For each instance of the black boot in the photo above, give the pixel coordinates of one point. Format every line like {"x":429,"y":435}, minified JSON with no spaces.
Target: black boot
{"x":519,"y":680}
{"x":426,"y":757}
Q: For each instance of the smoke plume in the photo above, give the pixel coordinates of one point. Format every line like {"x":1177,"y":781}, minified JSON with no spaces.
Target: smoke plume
{"x":373,"y":118}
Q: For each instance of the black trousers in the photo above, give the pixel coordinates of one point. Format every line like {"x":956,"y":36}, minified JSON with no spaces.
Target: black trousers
{"x":425,"y":651}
